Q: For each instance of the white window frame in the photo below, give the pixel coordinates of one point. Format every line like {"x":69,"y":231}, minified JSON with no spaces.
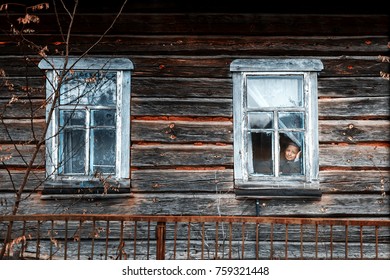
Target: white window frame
{"x":308,"y":69}
{"x":122,"y":67}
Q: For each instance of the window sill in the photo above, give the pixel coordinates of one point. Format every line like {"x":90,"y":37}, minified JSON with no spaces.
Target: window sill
{"x":84,"y":196}
{"x":278,"y":191}
{"x":65,"y":189}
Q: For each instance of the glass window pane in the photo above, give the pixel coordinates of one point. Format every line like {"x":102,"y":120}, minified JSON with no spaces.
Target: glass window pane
{"x":261,"y":144}
{"x":104,"y":91}
{"x":89,"y":88}
{"x":103,"y":118}
{"x":72,"y":118}
{"x":103,"y":150}
{"x":72,"y":151}
{"x":260,"y":120}
{"x":291,"y":156}
{"x":266,"y":92}
{"x":291,"y":120}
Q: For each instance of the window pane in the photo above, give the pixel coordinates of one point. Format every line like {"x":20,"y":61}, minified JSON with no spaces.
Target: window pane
{"x":103,"y":150}
{"x":274,"y":92}
{"x":262,"y":153}
{"x":72,"y":118}
{"x":72,"y":151}
{"x":103,"y":118}
{"x":291,"y":120}
{"x":89,"y":88}
{"x":291,"y":156}
{"x":260,"y":120}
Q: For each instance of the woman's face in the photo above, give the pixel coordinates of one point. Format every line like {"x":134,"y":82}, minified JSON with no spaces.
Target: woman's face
{"x":291,"y":152}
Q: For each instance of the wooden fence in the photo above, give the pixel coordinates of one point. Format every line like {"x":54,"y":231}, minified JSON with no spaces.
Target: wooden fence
{"x":75,"y":237}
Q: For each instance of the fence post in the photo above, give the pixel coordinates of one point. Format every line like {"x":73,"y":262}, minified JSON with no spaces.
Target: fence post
{"x":160,"y":236}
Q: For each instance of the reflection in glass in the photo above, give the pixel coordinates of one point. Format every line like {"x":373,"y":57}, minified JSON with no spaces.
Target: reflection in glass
{"x":291,"y":120}
{"x":89,"y":88}
{"x":72,"y":118}
{"x":103,"y":149}
{"x":103,"y":118}
{"x":72,"y":139}
{"x":260,"y":120}
{"x":72,"y":151}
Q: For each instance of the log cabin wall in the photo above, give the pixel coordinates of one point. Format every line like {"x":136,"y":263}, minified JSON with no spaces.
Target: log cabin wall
{"x":181,"y":105}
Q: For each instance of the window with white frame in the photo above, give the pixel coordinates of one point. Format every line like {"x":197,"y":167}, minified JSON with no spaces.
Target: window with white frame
{"x":275,"y":121}
{"x":88,"y":115}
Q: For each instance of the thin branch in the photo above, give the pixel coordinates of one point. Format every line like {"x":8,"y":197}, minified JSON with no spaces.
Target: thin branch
{"x":50,"y":112}
{"x":58,"y":20}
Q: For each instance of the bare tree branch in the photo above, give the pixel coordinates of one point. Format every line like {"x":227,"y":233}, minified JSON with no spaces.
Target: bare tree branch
{"x":42,"y":50}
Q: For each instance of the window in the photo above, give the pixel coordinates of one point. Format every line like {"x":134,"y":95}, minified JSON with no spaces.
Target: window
{"x":275,"y":122}
{"x":89,"y":118}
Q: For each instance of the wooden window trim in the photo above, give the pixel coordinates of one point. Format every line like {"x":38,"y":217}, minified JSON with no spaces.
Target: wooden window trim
{"x":309,"y":68}
{"x":123,"y":68}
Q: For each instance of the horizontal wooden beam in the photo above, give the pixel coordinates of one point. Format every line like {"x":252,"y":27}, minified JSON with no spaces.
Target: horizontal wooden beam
{"x":204,"y":66}
{"x":342,"y":205}
{"x":213,"y":23}
{"x":205,"y":45}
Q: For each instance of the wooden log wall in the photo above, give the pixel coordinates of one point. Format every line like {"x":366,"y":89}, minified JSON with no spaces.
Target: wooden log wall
{"x":181,"y":107}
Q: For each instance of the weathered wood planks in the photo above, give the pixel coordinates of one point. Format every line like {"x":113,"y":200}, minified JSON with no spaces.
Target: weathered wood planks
{"x":181,"y":108}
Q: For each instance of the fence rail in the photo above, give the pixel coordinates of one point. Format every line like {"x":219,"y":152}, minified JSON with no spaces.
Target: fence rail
{"x":192,"y":237}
